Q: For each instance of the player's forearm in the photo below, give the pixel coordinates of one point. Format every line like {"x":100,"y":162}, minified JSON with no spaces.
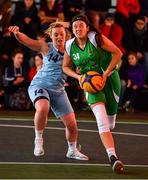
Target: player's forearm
{"x":28,"y":42}
{"x":21,"y":37}
{"x":70,"y":72}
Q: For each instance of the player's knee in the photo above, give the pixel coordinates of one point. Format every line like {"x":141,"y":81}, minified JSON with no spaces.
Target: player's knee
{"x":103,"y":128}
{"x":42,"y":110}
{"x":101,"y":118}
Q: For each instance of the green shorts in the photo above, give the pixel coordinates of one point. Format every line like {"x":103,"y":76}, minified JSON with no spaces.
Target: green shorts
{"x":109,"y":95}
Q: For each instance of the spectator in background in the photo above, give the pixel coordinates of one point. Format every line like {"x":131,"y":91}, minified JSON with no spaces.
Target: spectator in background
{"x":15,"y":78}
{"x":126,"y":11}
{"x":5,"y":13}
{"x":50,"y":11}
{"x":6,"y":47}
{"x":26,"y":17}
{"x":113,"y":31}
{"x":72,"y":8}
{"x":144,"y":8}
{"x":135,"y":80}
{"x":38,"y":62}
{"x":98,"y":6}
{"x":136,"y":40}
{"x":94,"y":19}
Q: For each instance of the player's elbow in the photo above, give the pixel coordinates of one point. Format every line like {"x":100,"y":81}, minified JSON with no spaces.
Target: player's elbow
{"x":63,"y":67}
{"x":118,"y":54}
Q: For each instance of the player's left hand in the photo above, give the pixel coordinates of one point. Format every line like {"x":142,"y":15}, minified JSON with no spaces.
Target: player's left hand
{"x":13,"y":29}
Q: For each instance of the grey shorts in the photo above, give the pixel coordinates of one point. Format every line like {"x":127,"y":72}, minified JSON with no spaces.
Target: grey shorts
{"x":58,"y":100}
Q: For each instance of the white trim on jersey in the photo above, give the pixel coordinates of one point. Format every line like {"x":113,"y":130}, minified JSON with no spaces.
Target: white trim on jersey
{"x":68,"y":45}
{"x":115,"y":96}
{"x":91,"y":36}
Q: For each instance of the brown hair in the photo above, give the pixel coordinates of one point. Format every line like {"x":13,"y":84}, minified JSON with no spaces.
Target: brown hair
{"x":16,"y":51}
{"x":134,"y":54}
{"x":39,"y":55}
{"x":80,"y":17}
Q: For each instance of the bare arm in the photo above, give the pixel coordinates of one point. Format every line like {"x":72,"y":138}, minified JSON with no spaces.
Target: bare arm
{"x":67,"y":67}
{"x":46,"y":19}
{"x":35,"y":45}
{"x":116,"y":54}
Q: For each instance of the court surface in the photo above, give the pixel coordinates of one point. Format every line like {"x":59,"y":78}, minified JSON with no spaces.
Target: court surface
{"x":17,"y":143}
{"x":18,"y":136}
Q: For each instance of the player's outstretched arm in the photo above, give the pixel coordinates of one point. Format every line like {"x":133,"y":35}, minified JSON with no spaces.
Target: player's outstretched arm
{"x":35,"y":45}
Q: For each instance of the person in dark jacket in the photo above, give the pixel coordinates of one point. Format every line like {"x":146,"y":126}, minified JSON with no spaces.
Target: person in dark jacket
{"x":136,"y":40}
{"x":15,"y":80}
{"x":126,"y":11}
{"x":135,"y":80}
{"x":26,"y":17}
{"x":98,"y":5}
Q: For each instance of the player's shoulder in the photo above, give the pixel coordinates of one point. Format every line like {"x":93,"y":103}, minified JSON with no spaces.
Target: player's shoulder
{"x":92,"y":34}
{"x":92,"y":38}
{"x":46,"y":47}
{"x":70,"y":41}
{"x":69,"y":44}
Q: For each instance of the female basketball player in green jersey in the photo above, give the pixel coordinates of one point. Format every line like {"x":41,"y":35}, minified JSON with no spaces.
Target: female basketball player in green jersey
{"x":91,"y":51}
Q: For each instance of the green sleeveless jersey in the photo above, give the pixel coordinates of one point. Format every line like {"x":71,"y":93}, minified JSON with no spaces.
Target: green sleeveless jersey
{"x":92,"y":58}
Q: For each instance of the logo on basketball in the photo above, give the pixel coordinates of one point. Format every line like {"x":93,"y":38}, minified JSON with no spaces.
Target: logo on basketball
{"x":91,"y":82}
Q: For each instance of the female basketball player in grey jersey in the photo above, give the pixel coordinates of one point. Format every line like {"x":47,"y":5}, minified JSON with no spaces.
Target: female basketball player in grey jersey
{"x":91,"y":51}
{"x":47,"y":88}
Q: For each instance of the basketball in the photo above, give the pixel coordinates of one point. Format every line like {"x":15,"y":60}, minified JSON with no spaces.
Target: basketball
{"x":91,"y":82}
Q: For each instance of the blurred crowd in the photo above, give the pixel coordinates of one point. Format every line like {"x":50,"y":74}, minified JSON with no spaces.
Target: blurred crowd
{"x":126,"y":26}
